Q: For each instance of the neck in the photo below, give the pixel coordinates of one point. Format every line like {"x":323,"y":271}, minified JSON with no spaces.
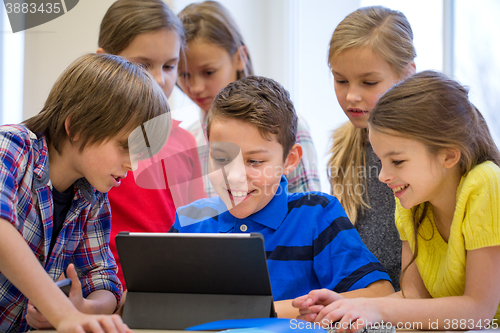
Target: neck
{"x":443,"y":206}
{"x":61,"y":175}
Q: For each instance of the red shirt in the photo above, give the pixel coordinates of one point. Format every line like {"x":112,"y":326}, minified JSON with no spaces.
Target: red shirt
{"x":146,"y":201}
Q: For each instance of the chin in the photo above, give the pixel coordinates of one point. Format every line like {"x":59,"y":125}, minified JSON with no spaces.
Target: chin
{"x":239,"y":214}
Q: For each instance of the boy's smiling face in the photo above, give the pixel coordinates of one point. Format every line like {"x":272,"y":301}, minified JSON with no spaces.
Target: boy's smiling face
{"x":252,"y":166}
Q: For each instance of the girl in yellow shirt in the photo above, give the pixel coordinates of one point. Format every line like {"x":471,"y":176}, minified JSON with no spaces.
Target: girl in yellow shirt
{"x":439,"y":158}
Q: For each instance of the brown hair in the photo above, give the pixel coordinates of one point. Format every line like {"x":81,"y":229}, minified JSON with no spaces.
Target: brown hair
{"x":261,"y":102}
{"x":103,"y":95}
{"x":433,"y":109}
{"x":388,"y":33}
{"x":126,"y":19}
{"x":211,"y":22}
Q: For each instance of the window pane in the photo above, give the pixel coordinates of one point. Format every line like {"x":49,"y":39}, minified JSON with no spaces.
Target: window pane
{"x":426,"y":19}
{"x":477,"y":48}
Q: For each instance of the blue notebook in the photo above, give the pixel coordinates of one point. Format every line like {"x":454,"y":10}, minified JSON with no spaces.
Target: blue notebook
{"x":260,"y":325}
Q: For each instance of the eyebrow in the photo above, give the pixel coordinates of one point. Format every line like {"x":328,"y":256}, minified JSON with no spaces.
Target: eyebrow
{"x":257,"y":151}
{"x":392,"y":153}
{"x":362,"y":75}
{"x":149,"y":60}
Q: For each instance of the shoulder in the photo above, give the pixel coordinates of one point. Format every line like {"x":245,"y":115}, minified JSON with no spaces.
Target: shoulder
{"x":318,"y":204}
{"x":18,"y":144}
{"x":16,"y":134}
{"x":482,"y":175}
{"x":482,"y":182}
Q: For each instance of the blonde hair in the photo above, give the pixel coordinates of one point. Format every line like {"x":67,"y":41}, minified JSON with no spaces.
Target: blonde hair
{"x":211,"y":22}
{"x":126,"y":19}
{"x":388,"y":34}
{"x":103,"y":95}
{"x":433,"y":109}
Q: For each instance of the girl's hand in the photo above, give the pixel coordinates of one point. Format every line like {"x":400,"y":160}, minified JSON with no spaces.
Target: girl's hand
{"x":311,"y":304}
{"x":352,"y":314}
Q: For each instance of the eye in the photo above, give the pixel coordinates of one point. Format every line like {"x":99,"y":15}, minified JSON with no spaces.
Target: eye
{"x":371,"y":83}
{"x":183,"y":75}
{"x":397,"y":162}
{"x":255,"y":163}
{"x":209,"y":72}
{"x":341,"y":81}
{"x":220,"y":160}
{"x":168,"y":67}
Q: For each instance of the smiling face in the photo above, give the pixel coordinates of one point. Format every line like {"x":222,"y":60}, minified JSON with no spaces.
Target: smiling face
{"x":158,"y":51}
{"x":411,"y":171}
{"x":360,"y":78}
{"x":206,"y":70}
{"x":252,"y":165}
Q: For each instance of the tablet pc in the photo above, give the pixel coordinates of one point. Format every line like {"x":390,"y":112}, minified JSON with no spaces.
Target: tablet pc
{"x":185,"y":279}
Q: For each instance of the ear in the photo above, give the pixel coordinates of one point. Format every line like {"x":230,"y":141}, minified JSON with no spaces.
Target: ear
{"x":68,"y":133}
{"x":293,"y":159}
{"x":100,"y":51}
{"x":241,"y":58}
{"x":450,"y":157}
{"x":410,"y":69}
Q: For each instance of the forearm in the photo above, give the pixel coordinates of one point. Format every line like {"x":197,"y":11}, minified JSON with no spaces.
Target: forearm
{"x":22,"y":269}
{"x":100,"y":302}
{"x":435,"y":313}
{"x":379,"y":288}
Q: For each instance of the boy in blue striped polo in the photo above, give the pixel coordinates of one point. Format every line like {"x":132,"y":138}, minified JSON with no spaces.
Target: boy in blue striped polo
{"x":309,"y":240}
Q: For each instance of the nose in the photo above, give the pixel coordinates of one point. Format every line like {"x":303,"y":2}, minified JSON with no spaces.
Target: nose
{"x":130,"y":163}
{"x":353,"y":94}
{"x":196,"y":85}
{"x":385,"y":176}
{"x":236,"y":172}
{"x":158,"y":76}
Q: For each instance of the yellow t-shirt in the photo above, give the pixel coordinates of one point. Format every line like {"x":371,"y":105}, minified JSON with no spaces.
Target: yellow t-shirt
{"x":476,"y":224}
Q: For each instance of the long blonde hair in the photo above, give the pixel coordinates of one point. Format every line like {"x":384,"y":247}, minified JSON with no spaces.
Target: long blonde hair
{"x":388,"y":33}
{"x":211,"y":22}
{"x":433,"y":109}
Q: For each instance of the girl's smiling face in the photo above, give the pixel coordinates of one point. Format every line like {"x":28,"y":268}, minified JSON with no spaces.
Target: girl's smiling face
{"x":205,"y":70}
{"x":360,"y":78}
{"x":410,"y":170}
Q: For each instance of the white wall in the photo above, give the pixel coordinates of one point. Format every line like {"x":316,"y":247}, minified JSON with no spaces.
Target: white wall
{"x":51,"y":47}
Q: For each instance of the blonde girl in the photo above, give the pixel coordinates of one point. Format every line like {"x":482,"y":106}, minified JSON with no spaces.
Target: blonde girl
{"x":440,"y":161}
{"x":216,"y":55}
{"x":370,"y":50}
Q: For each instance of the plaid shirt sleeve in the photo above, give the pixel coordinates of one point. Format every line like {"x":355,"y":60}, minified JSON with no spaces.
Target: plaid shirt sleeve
{"x":305,"y":177}
{"x":93,"y":259}
{"x":13,"y":160}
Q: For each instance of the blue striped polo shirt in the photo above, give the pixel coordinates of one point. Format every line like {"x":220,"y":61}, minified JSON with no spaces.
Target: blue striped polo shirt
{"x":310,"y":242}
